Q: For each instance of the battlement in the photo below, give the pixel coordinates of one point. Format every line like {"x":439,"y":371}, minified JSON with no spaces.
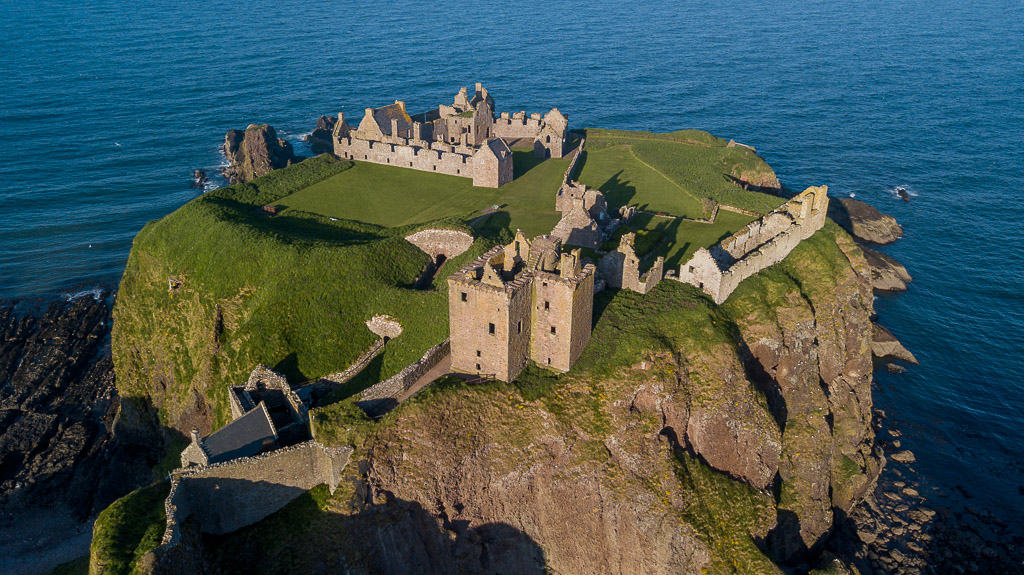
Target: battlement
{"x":720,"y":269}
{"x":527,"y":300}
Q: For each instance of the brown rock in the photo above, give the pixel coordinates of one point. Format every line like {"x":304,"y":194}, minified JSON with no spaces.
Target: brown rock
{"x":887,"y":274}
{"x":255,"y":152}
{"x":905,"y":456}
{"x":864,"y":221}
{"x":321,"y":139}
{"x":885,"y":346}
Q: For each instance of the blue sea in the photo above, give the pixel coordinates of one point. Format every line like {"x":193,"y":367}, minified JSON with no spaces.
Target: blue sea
{"x":107,"y":107}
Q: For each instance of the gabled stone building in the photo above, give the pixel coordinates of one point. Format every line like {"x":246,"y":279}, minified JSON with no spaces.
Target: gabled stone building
{"x":462,"y":139}
{"x":524,"y":301}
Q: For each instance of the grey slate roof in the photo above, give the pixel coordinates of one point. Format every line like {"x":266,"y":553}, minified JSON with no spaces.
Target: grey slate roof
{"x":243,"y":437}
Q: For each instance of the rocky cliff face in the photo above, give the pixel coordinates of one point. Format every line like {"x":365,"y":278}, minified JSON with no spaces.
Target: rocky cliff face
{"x":254,"y":152}
{"x":864,"y":221}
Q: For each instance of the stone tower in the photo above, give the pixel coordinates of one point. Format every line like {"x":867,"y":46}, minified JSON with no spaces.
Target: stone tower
{"x":523,"y":301}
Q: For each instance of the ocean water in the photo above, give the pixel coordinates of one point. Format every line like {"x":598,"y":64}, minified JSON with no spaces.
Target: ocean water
{"x":107,"y":107}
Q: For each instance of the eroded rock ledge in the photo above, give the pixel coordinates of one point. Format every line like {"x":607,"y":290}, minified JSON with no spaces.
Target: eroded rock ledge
{"x":255,"y":152}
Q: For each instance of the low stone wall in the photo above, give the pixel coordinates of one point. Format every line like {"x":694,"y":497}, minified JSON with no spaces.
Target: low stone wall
{"x":438,"y":241}
{"x":358,"y":365}
{"x":384,"y":395}
{"x":227,"y":496}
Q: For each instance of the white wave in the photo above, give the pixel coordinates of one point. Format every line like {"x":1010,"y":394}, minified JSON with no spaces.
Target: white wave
{"x":95,"y":292}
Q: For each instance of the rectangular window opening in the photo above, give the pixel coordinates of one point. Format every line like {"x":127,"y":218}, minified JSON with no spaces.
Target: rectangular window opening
{"x":478,"y":353}
{"x":490,"y":328}
{"x":547,"y":305}
{"x":552,"y":330}
{"x":465,"y":297}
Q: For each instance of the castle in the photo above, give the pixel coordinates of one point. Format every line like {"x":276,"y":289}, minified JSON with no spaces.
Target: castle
{"x":463,"y":139}
{"x":720,"y":269}
{"x":524,"y":301}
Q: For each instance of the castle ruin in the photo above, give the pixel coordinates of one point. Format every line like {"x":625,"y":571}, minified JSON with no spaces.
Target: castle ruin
{"x":718,"y":270}
{"x":621,"y":268}
{"x":463,"y":139}
{"x":524,"y":301}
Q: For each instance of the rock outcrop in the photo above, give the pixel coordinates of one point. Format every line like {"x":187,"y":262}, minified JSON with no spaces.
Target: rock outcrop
{"x":887,"y":274}
{"x":63,"y":454}
{"x":885,"y":346}
{"x":810,"y":351}
{"x":864,"y":221}
{"x":254,"y":152}
{"x":321,"y":138}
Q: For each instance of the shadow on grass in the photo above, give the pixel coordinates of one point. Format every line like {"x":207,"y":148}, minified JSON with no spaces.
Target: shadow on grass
{"x":364,"y":379}
{"x":617,"y":192}
{"x":523,"y":161}
{"x":289,"y":368}
{"x":495,"y":227}
{"x":298,"y":227}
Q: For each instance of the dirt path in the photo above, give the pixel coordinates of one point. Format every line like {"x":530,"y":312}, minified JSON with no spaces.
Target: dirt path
{"x":442,"y":368}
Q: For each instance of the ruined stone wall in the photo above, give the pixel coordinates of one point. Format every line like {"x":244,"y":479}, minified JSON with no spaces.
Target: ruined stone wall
{"x":228,"y":496}
{"x":393,"y":387}
{"x":517,"y":126}
{"x":703,"y":272}
{"x":621,"y":269}
{"x":719,"y":270}
{"x":437,"y":241}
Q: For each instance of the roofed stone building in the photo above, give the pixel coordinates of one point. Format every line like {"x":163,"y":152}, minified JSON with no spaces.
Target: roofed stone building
{"x":266,"y":414}
{"x":524,"y":301}
{"x":462,"y":139}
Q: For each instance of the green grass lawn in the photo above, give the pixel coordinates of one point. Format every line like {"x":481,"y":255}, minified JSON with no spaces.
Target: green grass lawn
{"x":391,"y":196}
{"x":626,"y":180}
{"x":678,"y":239}
{"x":699,"y":164}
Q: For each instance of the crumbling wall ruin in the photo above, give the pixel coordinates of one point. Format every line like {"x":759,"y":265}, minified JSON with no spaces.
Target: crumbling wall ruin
{"x":621,"y":269}
{"x":720,"y":269}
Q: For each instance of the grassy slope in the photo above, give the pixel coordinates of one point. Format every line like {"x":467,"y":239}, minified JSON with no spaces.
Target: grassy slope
{"x":671,"y":173}
{"x":415,"y":197}
{"x":698,"y":163}
{"x":131,"y":526}
{"x":294,"y":292}
{"x":626,"y":180}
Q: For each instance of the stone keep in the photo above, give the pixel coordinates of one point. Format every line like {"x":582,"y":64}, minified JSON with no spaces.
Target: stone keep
{"x":523,"y":301}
